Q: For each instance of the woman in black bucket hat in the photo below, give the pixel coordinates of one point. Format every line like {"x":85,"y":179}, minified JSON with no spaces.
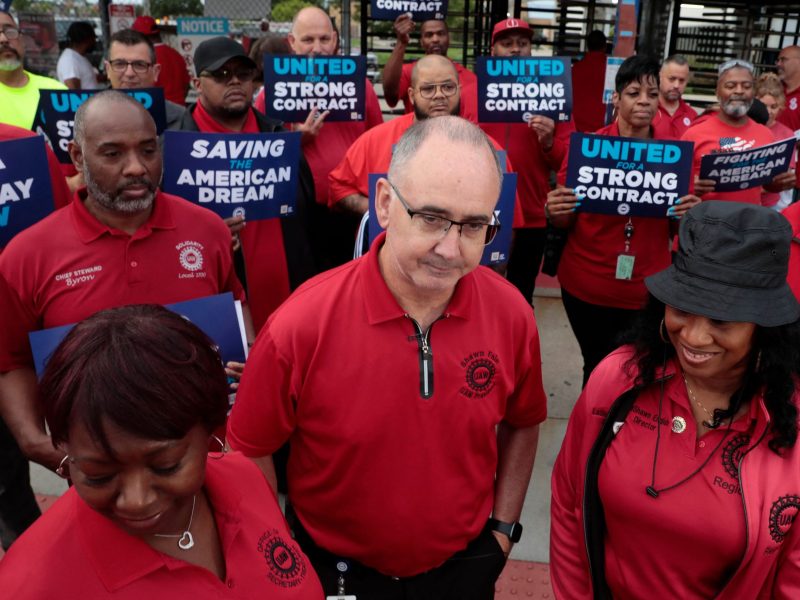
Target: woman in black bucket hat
{"x":679,"y":475}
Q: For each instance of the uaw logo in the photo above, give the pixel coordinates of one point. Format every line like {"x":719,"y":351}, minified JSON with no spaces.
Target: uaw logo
{"x":286,"y":566}
{"x":480,"y":369}
{"x":623,"y":209}
{"x":190,"y":255}
{"x":781,"y":516}
{"x":732,"y":454}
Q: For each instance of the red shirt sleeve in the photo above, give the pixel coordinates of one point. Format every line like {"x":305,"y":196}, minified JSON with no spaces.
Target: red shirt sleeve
{"x":345,"y":179}
{"x":374,"y":116}
{"x":405,"y":83}
{"x":61,"y":195}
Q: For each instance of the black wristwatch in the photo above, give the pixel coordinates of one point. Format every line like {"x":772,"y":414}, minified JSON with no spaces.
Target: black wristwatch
{"x":512,"y":530}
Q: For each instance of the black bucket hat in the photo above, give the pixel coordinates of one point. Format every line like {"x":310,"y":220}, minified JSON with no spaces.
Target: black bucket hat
{"x":211,"y":54}
{"x":731,"y":265}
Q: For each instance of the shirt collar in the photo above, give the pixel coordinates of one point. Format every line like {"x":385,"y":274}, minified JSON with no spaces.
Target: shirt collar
{"x":132,"y":558}
{"x":89,"y":228}
{"x":381,"y":305}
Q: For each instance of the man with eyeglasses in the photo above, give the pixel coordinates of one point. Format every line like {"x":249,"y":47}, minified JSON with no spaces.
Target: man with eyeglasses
{"x":131,"y":64}
{"x":409,"y":385}
{"x":731,"y":130}
{"x":19,"y":89}
{"x":536,"y":148}
{"x":434,"y":92}
{"x":434,"y":39}
{"x":174,"y":77}
{"x":277,"y":252}
{"x":788,"y":66}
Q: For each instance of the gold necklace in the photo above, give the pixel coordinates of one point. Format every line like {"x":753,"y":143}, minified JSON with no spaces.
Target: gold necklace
{"x":694,"y":399}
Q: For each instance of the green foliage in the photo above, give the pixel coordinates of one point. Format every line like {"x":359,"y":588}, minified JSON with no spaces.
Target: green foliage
{"x":284,"y":11}
{"x":175,"y":8}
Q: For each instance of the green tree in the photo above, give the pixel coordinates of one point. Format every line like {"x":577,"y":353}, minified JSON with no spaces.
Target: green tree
{"x":164,"y":8}
{"x":285,"y":10}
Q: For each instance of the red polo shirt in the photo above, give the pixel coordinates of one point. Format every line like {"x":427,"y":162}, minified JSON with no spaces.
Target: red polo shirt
{"x":792,"y":214}
{"x":587,"y":269}
{"x":73,"y":551}
{"x":325,"y":151}
{"x":466,"y":78}
{"x":377,"y":472}
{"x":174,"y":76}
{"x":712,"y":136}
{"x":533,"y":164}
{"x":61,"y":195}
{"x":672,"y":127}
{"x":372,"y":153}
{"x":69,"y":266}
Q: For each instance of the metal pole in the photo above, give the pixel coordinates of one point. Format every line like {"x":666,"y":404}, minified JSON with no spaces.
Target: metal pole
{"x":346,"y":27}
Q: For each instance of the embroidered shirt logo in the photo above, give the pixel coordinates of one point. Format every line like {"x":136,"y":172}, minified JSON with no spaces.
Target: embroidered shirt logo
{"x":287,"y":567}
{"x":732,"y":454}
{"x":782,"y":515}
{"x":480,"y":369}
{"x":190,"y":255}
{"x":79,"y":276}
{"x":735,"y":144}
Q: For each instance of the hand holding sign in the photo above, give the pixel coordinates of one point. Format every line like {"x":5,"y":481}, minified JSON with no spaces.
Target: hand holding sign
{"x":311,"y":127}
{"x":544,"y":127}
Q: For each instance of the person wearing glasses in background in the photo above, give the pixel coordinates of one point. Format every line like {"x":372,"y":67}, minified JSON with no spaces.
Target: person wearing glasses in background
{"x":408,"y":382}
{"x":731,"y":130}
{"x":19,"y":89}
{"x":277,"y":252}
{"x":131,"y":64}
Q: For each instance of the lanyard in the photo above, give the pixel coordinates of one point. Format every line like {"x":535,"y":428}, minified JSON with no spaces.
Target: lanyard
{"x":629,"y":230}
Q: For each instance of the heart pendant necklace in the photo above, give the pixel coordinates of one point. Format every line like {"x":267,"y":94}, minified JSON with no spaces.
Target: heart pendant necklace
{"x":185,"y":539}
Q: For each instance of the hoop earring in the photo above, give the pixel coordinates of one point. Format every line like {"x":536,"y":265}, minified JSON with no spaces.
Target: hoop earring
{"x":222,"y":449}
{"x":661,"y":334}
{"x":62,"y":470}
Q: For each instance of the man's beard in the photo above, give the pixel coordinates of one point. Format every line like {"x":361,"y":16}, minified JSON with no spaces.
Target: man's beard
{"x":736,"y":111}
{"x":10,"y":64}
{"x":115,"y":203}
{"x":421,"y":116}
{"x":234,"y":113}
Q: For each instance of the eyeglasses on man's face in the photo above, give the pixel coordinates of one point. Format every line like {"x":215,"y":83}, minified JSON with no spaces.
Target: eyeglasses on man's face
{"x":428,"y":90}
{"x":138,"y":66}
{"x":436,"y":226}
{"x":11,"y":33}
{"x":226,"y":74}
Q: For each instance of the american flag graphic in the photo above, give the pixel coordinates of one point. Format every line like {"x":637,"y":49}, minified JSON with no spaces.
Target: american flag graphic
{"x":734,"y":144}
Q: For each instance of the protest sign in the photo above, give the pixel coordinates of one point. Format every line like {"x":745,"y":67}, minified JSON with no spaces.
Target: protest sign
{"x":294,"y":85}
{"x":609,"y":86}
{"x":192,"y":31}
{"x":418,"y":10}
{"x":120,"y":16}
{"x":40,"y":39}
{"x":217,"y":316}
{"x":495,"y":253}
{"x":5,"y":5}
{"x":733,"y":171}
{"x":513,"y":89}
{"x":55,"y":116}
{"x":26,"y":195}
{"x":628,"y":176}
{"x":253,"y":175}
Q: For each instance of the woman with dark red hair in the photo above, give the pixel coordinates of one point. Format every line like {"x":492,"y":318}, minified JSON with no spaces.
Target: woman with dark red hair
{"x":132,"y":396}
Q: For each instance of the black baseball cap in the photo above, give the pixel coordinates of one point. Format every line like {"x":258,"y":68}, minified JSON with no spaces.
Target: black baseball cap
{"x":212,"y":54}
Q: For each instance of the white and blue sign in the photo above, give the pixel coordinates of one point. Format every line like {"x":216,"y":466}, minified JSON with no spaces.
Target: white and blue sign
{"x":253,"y":175}
{"x":216,"y":316}
{"x":734,"y":171}
{"x":628,"y":176}
{"x":420,"y":10}
{"x":26,"y":195}
{"x":296,"y":85}
{"x":55,"y":116}
{"x":495,"y":253}
{"x":5,"y":5}
{"x":515,"y":88}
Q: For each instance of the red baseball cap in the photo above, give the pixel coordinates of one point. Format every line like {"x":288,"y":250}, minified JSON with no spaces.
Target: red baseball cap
{"x":145,"y":25}
{"x":511,"y":25}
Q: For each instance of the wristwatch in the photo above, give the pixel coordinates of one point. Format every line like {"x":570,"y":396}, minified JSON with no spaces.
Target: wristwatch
{"x":512,"y":530}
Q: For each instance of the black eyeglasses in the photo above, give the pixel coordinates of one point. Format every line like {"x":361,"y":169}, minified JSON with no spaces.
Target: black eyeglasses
{"x":224,"y":75}
{"x":428,"y":90}
{"x":436,"y":226}
{"x":11,"y":33}
{"x":139,"y":66}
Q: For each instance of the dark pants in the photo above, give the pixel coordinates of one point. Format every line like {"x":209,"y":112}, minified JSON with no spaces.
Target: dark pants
{"x":597,"y":328}
{"x":525,"y":259}
{"x":18,"y":507}
{"x":467,"y":575}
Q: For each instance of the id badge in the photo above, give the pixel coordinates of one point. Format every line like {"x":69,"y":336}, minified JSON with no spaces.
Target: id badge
{"x":347,"y":597}
{"x":625,"y":266}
